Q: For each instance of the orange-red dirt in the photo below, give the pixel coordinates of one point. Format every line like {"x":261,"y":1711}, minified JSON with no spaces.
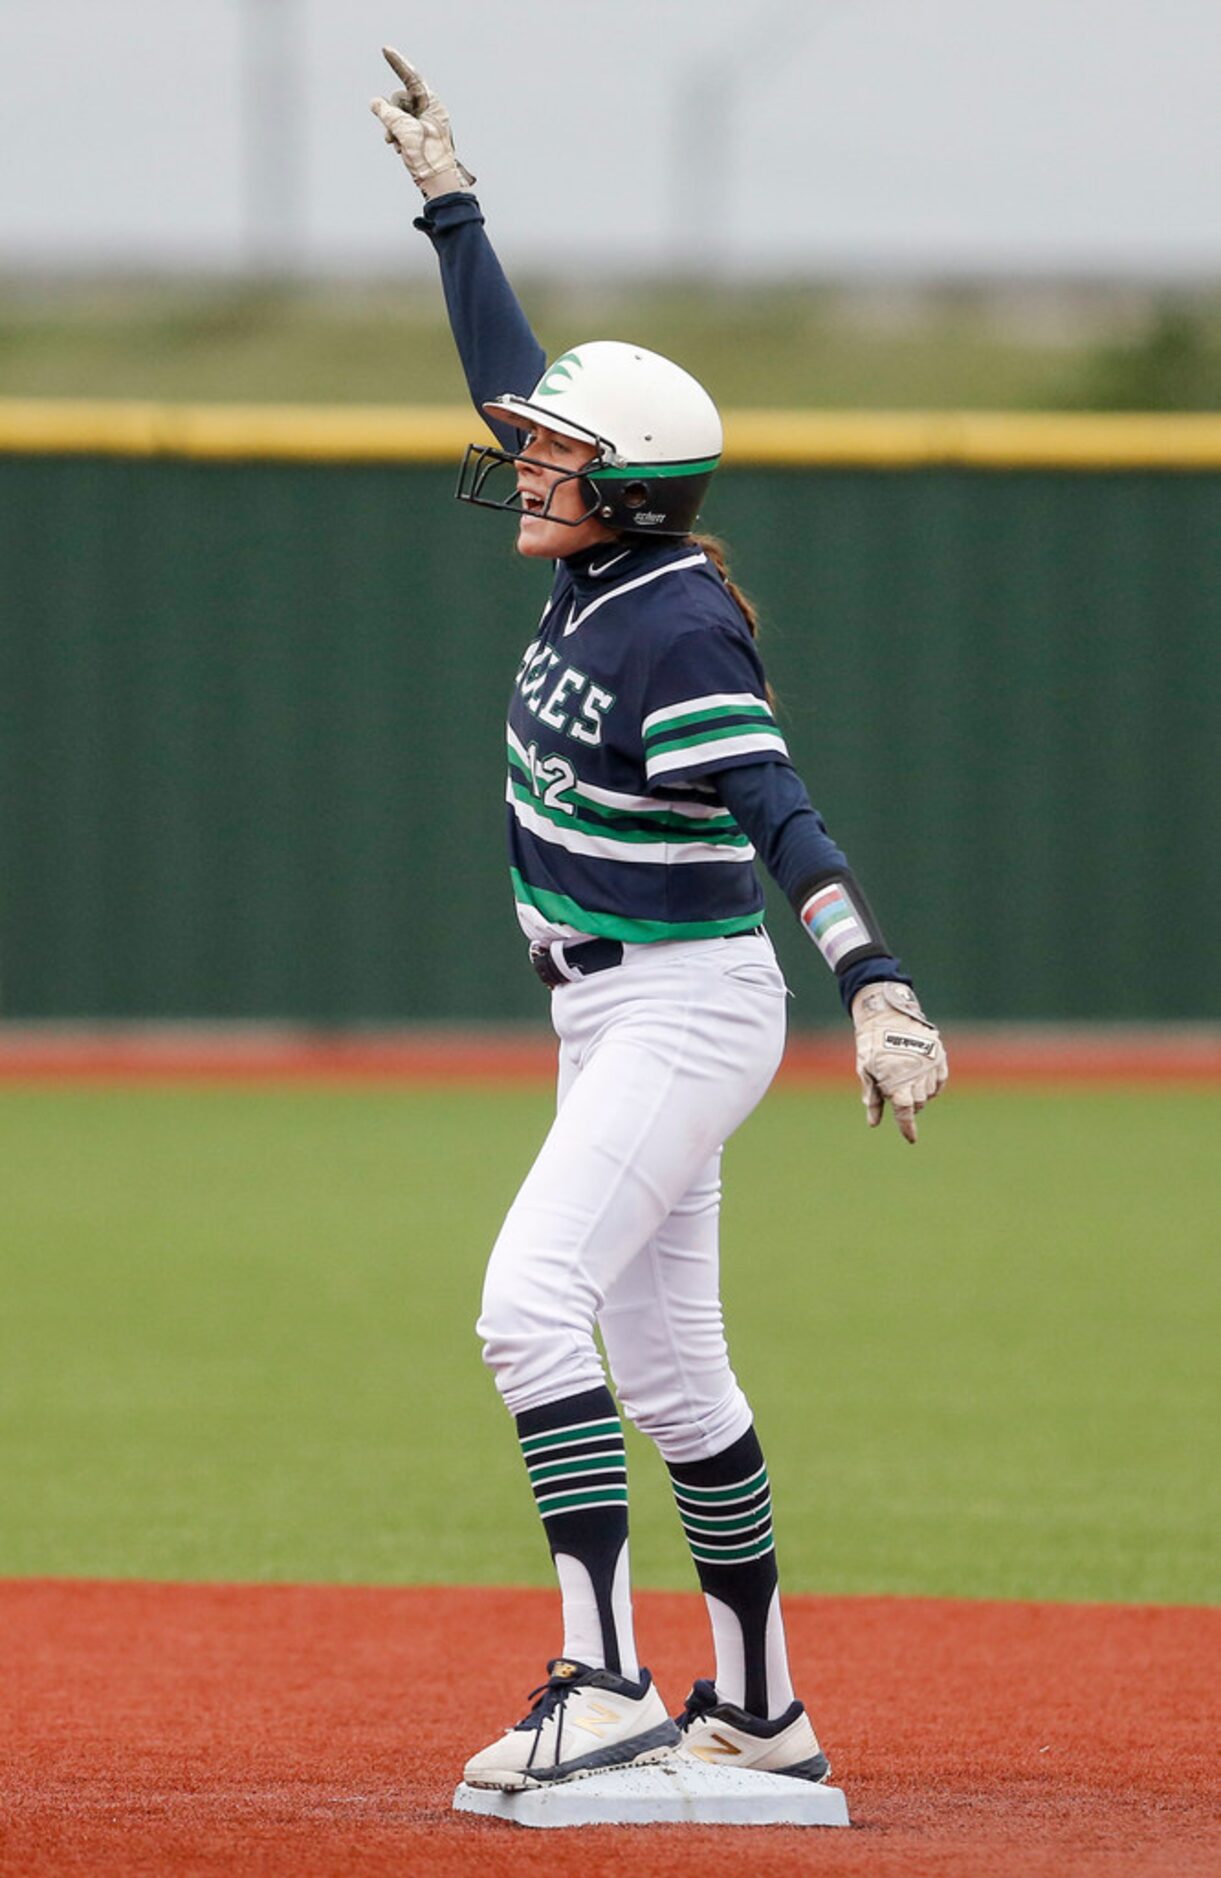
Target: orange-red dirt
{"x":277,"y":1730}
{"x":1138,"y":1055}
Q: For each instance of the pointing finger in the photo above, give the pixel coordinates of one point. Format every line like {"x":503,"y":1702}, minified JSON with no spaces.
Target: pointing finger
{"x":398,"y":64}
{"x":414,"y":83}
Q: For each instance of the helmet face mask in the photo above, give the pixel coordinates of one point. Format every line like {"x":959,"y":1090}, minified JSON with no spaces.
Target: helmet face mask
{"x":655,"y":431}
{"x":486,"y":468}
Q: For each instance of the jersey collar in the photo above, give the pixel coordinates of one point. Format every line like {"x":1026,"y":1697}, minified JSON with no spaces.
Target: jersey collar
{"x":595,"y":569}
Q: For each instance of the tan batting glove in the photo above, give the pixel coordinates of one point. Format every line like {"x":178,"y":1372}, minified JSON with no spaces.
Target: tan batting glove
{"x":900,"y":1057}
{"x":417,"y":125}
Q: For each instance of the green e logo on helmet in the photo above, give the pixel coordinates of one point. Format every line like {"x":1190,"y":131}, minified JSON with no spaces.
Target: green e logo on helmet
{"x":559,"y":370}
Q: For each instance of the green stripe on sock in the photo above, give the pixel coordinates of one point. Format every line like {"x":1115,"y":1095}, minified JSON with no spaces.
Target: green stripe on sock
{"x":584,"y":1431}
{"x":569,"y":1502}
{"x":742,"y":1523}
{"x":733,"y":1555}
{"x":717,"y":1495}
{"x":582,"y":1464}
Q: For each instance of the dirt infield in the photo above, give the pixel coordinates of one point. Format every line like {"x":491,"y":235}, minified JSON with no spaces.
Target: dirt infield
{"x":1138,"y":1054}
{"x":276,"y":1730}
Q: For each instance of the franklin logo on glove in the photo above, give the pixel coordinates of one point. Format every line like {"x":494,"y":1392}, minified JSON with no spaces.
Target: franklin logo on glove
{"x":897,"y":1040}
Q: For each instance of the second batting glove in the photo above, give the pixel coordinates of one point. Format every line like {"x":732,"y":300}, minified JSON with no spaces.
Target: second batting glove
{"x":900,"y":1057}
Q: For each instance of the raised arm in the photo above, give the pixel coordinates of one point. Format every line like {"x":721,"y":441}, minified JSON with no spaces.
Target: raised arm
{"x":496,"y":345}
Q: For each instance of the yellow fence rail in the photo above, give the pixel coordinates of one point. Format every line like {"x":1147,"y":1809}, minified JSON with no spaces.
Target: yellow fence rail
{"x":778,"y":439}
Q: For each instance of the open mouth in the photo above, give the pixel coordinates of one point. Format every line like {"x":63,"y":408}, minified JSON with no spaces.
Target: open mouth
{"x":531,"y":503}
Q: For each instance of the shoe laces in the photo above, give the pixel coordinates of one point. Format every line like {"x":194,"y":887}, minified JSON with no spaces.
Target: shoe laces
{"x":702,"y":1701}
{"x":550,"y":1698}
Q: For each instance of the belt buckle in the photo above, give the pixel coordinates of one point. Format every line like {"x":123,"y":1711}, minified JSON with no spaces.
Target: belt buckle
{"x":601,"y":954}
{"x":544,"y":965}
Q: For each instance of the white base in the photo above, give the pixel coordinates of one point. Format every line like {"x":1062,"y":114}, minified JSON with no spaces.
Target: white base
{"x":678,"y":1791}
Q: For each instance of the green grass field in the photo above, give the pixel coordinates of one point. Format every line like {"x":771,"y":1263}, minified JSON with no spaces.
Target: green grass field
{"x":236,"y":1340}
{"x":764,"y":344}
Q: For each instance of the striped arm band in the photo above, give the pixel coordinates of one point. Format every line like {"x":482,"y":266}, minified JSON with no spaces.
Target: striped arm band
{"x":837,"y":917}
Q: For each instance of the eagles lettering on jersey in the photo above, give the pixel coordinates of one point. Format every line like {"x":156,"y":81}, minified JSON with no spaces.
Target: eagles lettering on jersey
{"x":641,"y":681}
{"x":567,"y":702}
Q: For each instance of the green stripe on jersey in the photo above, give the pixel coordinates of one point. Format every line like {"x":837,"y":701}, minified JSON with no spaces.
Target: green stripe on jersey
{"x":565,"y":911}
{"x":605,"y":819}
{"x":763,"y":728}
{"x":724,"y":713}
{"x":636,"y":832}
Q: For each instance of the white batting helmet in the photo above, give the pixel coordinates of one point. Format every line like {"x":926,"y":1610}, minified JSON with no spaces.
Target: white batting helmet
{"x":656,"y":432}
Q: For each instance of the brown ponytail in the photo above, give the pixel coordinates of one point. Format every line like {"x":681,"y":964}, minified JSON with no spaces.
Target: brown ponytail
{"x":715,"y":550}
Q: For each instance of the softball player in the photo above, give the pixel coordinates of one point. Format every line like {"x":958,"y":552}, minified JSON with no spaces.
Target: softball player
{"x":645,"y":771}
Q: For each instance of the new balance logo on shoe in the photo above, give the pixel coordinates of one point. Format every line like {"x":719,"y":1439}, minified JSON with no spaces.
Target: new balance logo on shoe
{"x":722,"y":1749}
{"x":717,"y":1732}
{"x":597,"y":1718}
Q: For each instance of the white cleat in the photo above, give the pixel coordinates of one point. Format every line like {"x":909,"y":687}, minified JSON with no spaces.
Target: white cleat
{"x":584,"y":1722}
{"x":719,"y":1734}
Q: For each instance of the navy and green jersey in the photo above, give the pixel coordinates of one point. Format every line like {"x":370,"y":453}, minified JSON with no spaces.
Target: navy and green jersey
{"x":645,"y":767}
{"x":641,"y":681}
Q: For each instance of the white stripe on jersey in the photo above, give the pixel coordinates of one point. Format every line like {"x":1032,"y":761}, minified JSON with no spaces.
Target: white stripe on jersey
{"x":716,"y":700}
{"x":576,"y":619}
{"x":649,"y":805}
{"x":606,"y":848}
{"x":711,"y":756}
{"x":615,"y":799}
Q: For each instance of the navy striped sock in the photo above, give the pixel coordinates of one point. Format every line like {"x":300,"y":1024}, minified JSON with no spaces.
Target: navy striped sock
{"x":574,"y":1455}
{"x":725,"y":1505}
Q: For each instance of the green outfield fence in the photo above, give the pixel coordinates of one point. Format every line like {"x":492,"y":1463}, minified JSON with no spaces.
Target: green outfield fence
{"x":255,"y":662}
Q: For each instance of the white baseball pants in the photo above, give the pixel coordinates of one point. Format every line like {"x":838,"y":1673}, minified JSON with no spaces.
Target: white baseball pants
{"x":616,"y":1223}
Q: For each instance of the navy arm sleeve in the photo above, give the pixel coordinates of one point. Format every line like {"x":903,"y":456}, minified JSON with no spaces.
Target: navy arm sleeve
{"x":496,"y":345}
{"x":769,"y":803}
